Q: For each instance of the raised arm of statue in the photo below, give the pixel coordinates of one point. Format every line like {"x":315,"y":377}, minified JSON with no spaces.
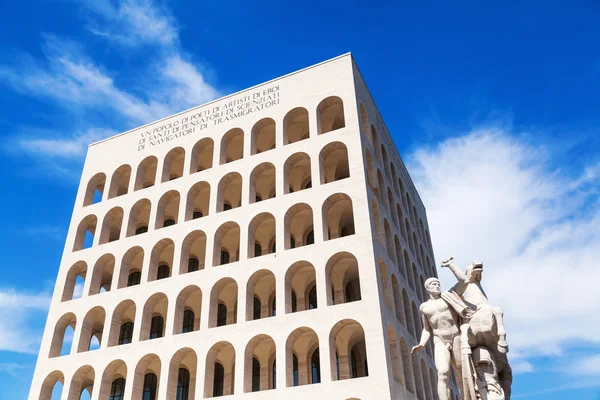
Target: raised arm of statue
{"x":461,"y":277}
{"x":425,"y":335}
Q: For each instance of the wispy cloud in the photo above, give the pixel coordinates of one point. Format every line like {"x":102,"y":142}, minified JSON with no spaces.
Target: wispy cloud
{"x":13,"y":368}
{"x":20,"y":314}
{"x":44,"y":231}
{"x":588,"y":365}
{"x":132,"y":22}
{"x":491,"y":194}
{"x":64,"y":147}
{"x":68,"y":77}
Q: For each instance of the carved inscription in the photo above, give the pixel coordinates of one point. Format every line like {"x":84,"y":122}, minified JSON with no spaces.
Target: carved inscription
{"x":208,"y":117}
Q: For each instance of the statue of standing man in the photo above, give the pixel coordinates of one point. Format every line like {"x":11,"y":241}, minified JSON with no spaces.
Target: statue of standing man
{"x":442,"y":319}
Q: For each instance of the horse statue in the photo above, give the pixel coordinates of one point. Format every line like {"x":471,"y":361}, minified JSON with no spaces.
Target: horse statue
{"x":487,"y":375}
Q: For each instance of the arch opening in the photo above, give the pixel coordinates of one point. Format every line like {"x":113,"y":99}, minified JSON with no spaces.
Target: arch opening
{"x":343,"y":279}
{"x":300,"y":287}
{"x":227,"y":244}
{"x":229,"y":193}
{"x":154,"y":315}
{"x":167,"y":213}
{"x":347,"y":341}
{"x":202,"y":155}
{"x":232,"y":146}
{"x":262,"y":183}
{"x":297,"y":173}
{"x":261,"y":235}
{"x":119,"y":183}
{"x":260,"y":296}
{"x":295,"y":126}
{"x":173,"y":164}
{"x":330,"y":115}
{"x":223,"y":303}
{"x":338,"y":217}
{"x":198,"y":200}
{"x":302,"y":354}
{"x":299,"y":229}
{"x":263,"y":136}
{"x":193,"y":252}
{"x":94,"y":190}
{"x":333,"y":162}
{"x":146,"y":173}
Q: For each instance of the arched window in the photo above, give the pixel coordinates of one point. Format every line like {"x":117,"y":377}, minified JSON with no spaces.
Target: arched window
{"x":183,"y":384}
{"x":310,"y":238}
{"x":255,"y":375}
{"x":218,"y":380}
{"x":126,"y":333}
{"x":257,"y":250}
{"x":224,"y":257}
{"x":274,"y":377}
{"x":156,"y":327}
{"x":350,"y":294}
{"x":134,"y":278}
{"x":353,"y":362}
{"x":168,"y":222}
{"x":141,"y":229}
{"x":197,"y":214}
{"x":315,"y":367}
{"x":312,"y":298}
{"x":292,"y":243}
{"x":221,"y":315}
{"x":295,"y":370}
{"x":117,"y":389}
{"x":337,"y":365}
{"x":257,"y":306}
{"x":295,"y":126}
{"x":188,"y":321}
{"x":274,"y":306}
{"x":330,"y":115}
{"x":294,"y":302}
{"x":193,"y":264}
{"x":149,"y":387}
{"x":163,"y":272}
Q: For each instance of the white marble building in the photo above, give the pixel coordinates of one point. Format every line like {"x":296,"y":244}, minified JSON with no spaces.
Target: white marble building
{"x":268,"y":244}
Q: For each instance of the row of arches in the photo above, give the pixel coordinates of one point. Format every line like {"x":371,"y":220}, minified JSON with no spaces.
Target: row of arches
{"x":337,"y":219}
{"x":377,"y":182}
{"x":397,"y":300}
{"x":170,"y":210}
{"x":342,"y":285}
{"x":402,"y":225}
{"x":410,"y":370}
{"x":303,"y":366}
{"x":330,"y":117}
{"x":400,"y":256}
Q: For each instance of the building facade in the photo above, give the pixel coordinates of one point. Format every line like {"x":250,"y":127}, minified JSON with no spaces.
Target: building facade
{"x":267,"y":244}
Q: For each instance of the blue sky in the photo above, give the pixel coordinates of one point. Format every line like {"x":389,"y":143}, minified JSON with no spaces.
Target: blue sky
{"x":493,"y":106}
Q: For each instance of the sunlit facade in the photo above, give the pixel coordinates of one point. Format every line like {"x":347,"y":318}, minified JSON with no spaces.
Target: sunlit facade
{"x":267,"y":244}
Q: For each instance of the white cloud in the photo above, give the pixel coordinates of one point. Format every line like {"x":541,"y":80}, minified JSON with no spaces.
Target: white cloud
{"x":186,"y":85}
{"x":585,"y":365}
{"x":64,"y":147}
{"x":495,"y":197}
{"x":521,"y":367}
{"x":68,"y":77}
{"x":12,"y":368}
{"x":82,"y":86}
{"x":19,"y":313}
{"x":132,"y":22}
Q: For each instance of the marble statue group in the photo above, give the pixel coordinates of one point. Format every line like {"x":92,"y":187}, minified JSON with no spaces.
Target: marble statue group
{"x":468,"y":336}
